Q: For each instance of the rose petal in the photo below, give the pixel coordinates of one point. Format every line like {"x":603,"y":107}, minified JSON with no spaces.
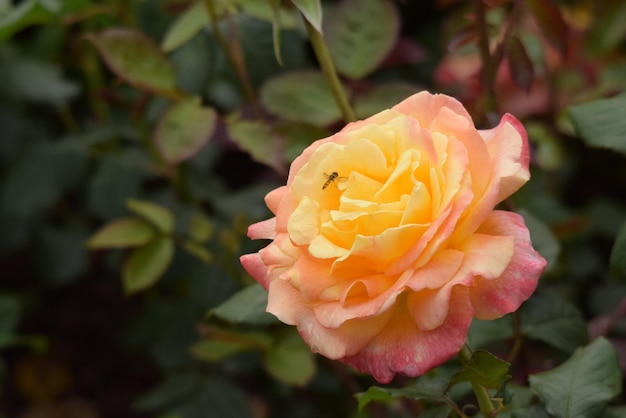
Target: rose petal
{"x":287,"y":304}
{"x":263,"y":230}
{"x":304,"y":223}
{"x":253,"y":264}
{"x":483,"y":256}
{"x":494,"y":298}
{"x":281,"y":253}
{"x":401,"y":347}
{"x":508,"y":146}
{"x":273,"y":198}
{"x":425,"y":107}
{"x":333,"y":314}
{"x":443,"y":266}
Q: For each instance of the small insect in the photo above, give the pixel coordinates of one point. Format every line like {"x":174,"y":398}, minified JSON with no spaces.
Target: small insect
{"x":330,"y":178}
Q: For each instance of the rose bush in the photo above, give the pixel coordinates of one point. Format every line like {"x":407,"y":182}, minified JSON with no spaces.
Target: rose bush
{"x":386,"y":243}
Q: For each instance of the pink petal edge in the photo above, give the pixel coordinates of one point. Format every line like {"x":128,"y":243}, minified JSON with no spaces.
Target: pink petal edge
{"x":492,"y":299}
{"x":402,"y":348}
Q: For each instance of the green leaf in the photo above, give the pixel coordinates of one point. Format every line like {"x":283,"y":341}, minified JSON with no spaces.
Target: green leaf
{"x":60,"y":253}
{"x":147,"y":264}
{"x":200,"y":228}
{"x":288,"y":18}
{"x":583,"y":385}
{"x":549,"y":318}
{"x":275,"y":6}
{"x":360,"y":35}
{"x":617,"y":262}
{"x":41,"y":177}
{"x":312,"y":12}
{"x":257,"y":139}
{"x":184,"y":129}
{"x":484,"y":369}
{"x":37,"y":81}
{"x":425,"y":388}
{"x":198,"y":250}
{"x":615,"y":412}
{"x":185,"y":27}
{"x":122,"y":233}
{"x":173,"y":388}
{"x":113,"y":181}
{"x":301,"y":97}
{"x":290,"y":360}
{"x":609,"y":30}
{"x":383,"y":96}
{"x":532,"y":411}
{"x":213,"y":351}
{"x":221,"y":344}
{"x":158,"y":215}
{"x":549,"y":152}
{"x":483,"y":332}
{"x":298,"y":136}
{"x":246,"y":307}
{"x":437,"y":411}
{"x":27,"y":13}
{"x":218,"y":397}
{"x":601,"y":123}
{"x":520,"y":397}
{"x":137,"y":59}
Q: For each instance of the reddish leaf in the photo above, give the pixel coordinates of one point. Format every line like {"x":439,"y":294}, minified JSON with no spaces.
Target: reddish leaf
{"x":463,"y":37}
{"x":520,"y":64}
{"x":551,"y":23}
{"x":137,"y":59}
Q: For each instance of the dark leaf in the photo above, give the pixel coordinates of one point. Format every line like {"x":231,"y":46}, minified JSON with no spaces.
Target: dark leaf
{"x":246,"y":307}
{"x":617,"y":262}
{"x":290,"y":360}
{"x":549,"y":318}
{"x":601,"y":123}
{"x":520,"y":64}
{"x":551,"y":23}
{"x":583,"y":385}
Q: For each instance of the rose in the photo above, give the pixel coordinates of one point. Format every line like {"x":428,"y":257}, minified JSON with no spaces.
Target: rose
{"x":386,"y":243}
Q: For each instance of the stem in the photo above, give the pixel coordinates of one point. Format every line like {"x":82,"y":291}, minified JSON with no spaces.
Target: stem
{"x":487,"y":72}
{"x":482,"y":395}
{"x":235,"y":56}
{"x":328,"y":68}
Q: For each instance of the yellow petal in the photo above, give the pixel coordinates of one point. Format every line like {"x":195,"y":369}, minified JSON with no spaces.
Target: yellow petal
{"x":304,"y":223}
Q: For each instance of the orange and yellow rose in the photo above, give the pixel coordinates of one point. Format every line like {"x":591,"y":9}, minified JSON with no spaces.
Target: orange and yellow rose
{"x":386,"y":243}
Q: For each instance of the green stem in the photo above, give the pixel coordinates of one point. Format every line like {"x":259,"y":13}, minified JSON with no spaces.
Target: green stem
{"x":482,"y":395}
{"x":234,"y":54}
{"x":328,"y":68}
{"x":488,"y":70}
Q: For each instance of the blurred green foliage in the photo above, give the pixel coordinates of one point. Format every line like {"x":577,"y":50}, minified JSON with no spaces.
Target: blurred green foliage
{"x":138,"y":139}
